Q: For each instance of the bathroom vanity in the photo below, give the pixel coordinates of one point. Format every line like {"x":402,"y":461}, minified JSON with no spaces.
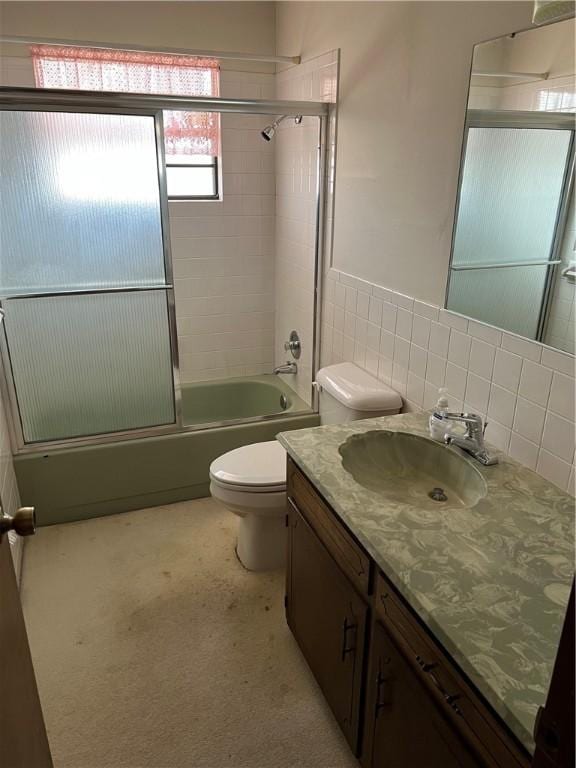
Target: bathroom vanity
{"x":432,"y":631}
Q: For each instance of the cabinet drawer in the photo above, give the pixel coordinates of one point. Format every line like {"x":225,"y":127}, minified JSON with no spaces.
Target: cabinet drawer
{"x":348,"y":554}
{"x":488,"y":738}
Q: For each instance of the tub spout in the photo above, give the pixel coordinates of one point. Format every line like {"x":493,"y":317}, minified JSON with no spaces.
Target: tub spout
{"x":288,"y":367}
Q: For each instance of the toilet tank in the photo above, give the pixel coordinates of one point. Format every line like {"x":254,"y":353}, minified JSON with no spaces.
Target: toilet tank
{"x":348,"y":393}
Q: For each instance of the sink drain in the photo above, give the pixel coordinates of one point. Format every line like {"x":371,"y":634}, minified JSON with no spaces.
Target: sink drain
{"x":437,"y":494}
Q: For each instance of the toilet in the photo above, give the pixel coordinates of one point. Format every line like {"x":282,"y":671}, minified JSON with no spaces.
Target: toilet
{"x":251,"y":481}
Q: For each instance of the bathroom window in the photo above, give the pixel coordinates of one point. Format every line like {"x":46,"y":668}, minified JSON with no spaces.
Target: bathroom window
{"x":192,"y":139}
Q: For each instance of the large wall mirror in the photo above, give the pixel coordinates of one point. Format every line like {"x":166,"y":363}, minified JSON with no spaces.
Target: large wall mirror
{"x":513,"y":259}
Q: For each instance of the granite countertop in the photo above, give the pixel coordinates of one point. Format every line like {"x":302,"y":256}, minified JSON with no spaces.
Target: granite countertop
{"x":491,"y":582}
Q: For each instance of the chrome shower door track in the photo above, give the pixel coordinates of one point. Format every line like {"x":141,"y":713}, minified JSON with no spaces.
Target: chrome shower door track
{"x":61,"y":99}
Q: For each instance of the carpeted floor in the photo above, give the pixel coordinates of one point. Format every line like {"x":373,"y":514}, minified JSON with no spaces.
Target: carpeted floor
{"x":154,"y":647}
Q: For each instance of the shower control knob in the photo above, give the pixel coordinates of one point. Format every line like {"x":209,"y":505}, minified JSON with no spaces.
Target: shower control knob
{"x":293,"y":345}
{"x":23,"y":522}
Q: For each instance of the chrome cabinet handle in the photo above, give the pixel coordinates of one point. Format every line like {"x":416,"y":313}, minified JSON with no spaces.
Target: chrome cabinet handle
{"x":449,"y":698}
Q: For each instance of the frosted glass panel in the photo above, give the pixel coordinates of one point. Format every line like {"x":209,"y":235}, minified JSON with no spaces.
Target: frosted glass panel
{"x":79,"y":202}
{"x":507,"y":298}
{"x":510,"y":193}
{"x":90,"y":364}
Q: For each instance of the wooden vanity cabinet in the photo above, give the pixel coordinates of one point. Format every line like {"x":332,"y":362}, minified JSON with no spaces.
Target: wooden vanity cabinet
{"x":328,"y":619}
{"x":398,"y":697}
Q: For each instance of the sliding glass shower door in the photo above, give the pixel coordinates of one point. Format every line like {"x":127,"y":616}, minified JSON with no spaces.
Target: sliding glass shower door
{"x":83,"y":280}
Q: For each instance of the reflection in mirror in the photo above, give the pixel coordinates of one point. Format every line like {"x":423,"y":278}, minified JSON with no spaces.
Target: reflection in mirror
{"x":514,"y":246}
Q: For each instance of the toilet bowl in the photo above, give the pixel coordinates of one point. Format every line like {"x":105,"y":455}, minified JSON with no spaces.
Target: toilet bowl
{"x":251,"y":481}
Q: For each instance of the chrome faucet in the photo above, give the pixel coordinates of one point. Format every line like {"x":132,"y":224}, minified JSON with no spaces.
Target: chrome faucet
{"x":473,"y":440}
{"x":289,"y":367}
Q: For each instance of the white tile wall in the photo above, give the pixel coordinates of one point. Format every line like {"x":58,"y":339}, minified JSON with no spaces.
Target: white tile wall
{"x":223,"y":252}
{"x":296,"y":181}
{"x":315,"y":79}
{"x":553,"y":95}
{"x":525,"y":390}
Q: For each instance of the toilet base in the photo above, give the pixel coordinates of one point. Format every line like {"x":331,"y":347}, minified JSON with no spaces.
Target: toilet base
{"x":261,"y":544}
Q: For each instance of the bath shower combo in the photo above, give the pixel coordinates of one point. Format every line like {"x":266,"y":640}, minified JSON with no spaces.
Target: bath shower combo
{"x":89,"y":343}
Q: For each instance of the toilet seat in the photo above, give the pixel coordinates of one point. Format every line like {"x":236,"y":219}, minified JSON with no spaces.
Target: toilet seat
{"x":281,"y":488}
{"x":256,"y":468}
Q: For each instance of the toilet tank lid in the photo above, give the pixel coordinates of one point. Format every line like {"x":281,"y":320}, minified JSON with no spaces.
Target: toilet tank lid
{"x":357,"y":389}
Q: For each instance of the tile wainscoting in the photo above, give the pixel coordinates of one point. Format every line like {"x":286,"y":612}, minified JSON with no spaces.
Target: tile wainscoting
{"x":524,"y":389}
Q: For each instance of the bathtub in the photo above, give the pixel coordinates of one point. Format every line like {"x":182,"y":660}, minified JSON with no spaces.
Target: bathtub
{"x":228,"y":400}
{"x":76,"y":483}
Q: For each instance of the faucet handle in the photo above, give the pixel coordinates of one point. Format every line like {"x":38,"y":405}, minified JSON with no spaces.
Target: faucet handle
{"x":465,"y":418}
{"x":293,"y":345}
{"x":475,"y":424}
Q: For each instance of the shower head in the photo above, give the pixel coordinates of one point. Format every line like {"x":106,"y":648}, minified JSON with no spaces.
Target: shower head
{"x":268,"y":132}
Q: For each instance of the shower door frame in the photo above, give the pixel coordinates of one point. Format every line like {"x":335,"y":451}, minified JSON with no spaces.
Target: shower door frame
{"x":61,"y":100}
{"x":167,"y":288}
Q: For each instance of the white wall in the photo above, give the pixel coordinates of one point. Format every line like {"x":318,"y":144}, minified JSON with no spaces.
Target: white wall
{"x":404,"y":78}
{"x":232,"y":26}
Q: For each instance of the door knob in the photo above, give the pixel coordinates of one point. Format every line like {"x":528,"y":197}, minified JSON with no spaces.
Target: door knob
{"x":23,"y":522}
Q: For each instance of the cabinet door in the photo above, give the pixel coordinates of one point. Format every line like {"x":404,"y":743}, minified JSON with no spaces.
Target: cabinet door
{"x":328,"y":619}
{"x":403,"y":726}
